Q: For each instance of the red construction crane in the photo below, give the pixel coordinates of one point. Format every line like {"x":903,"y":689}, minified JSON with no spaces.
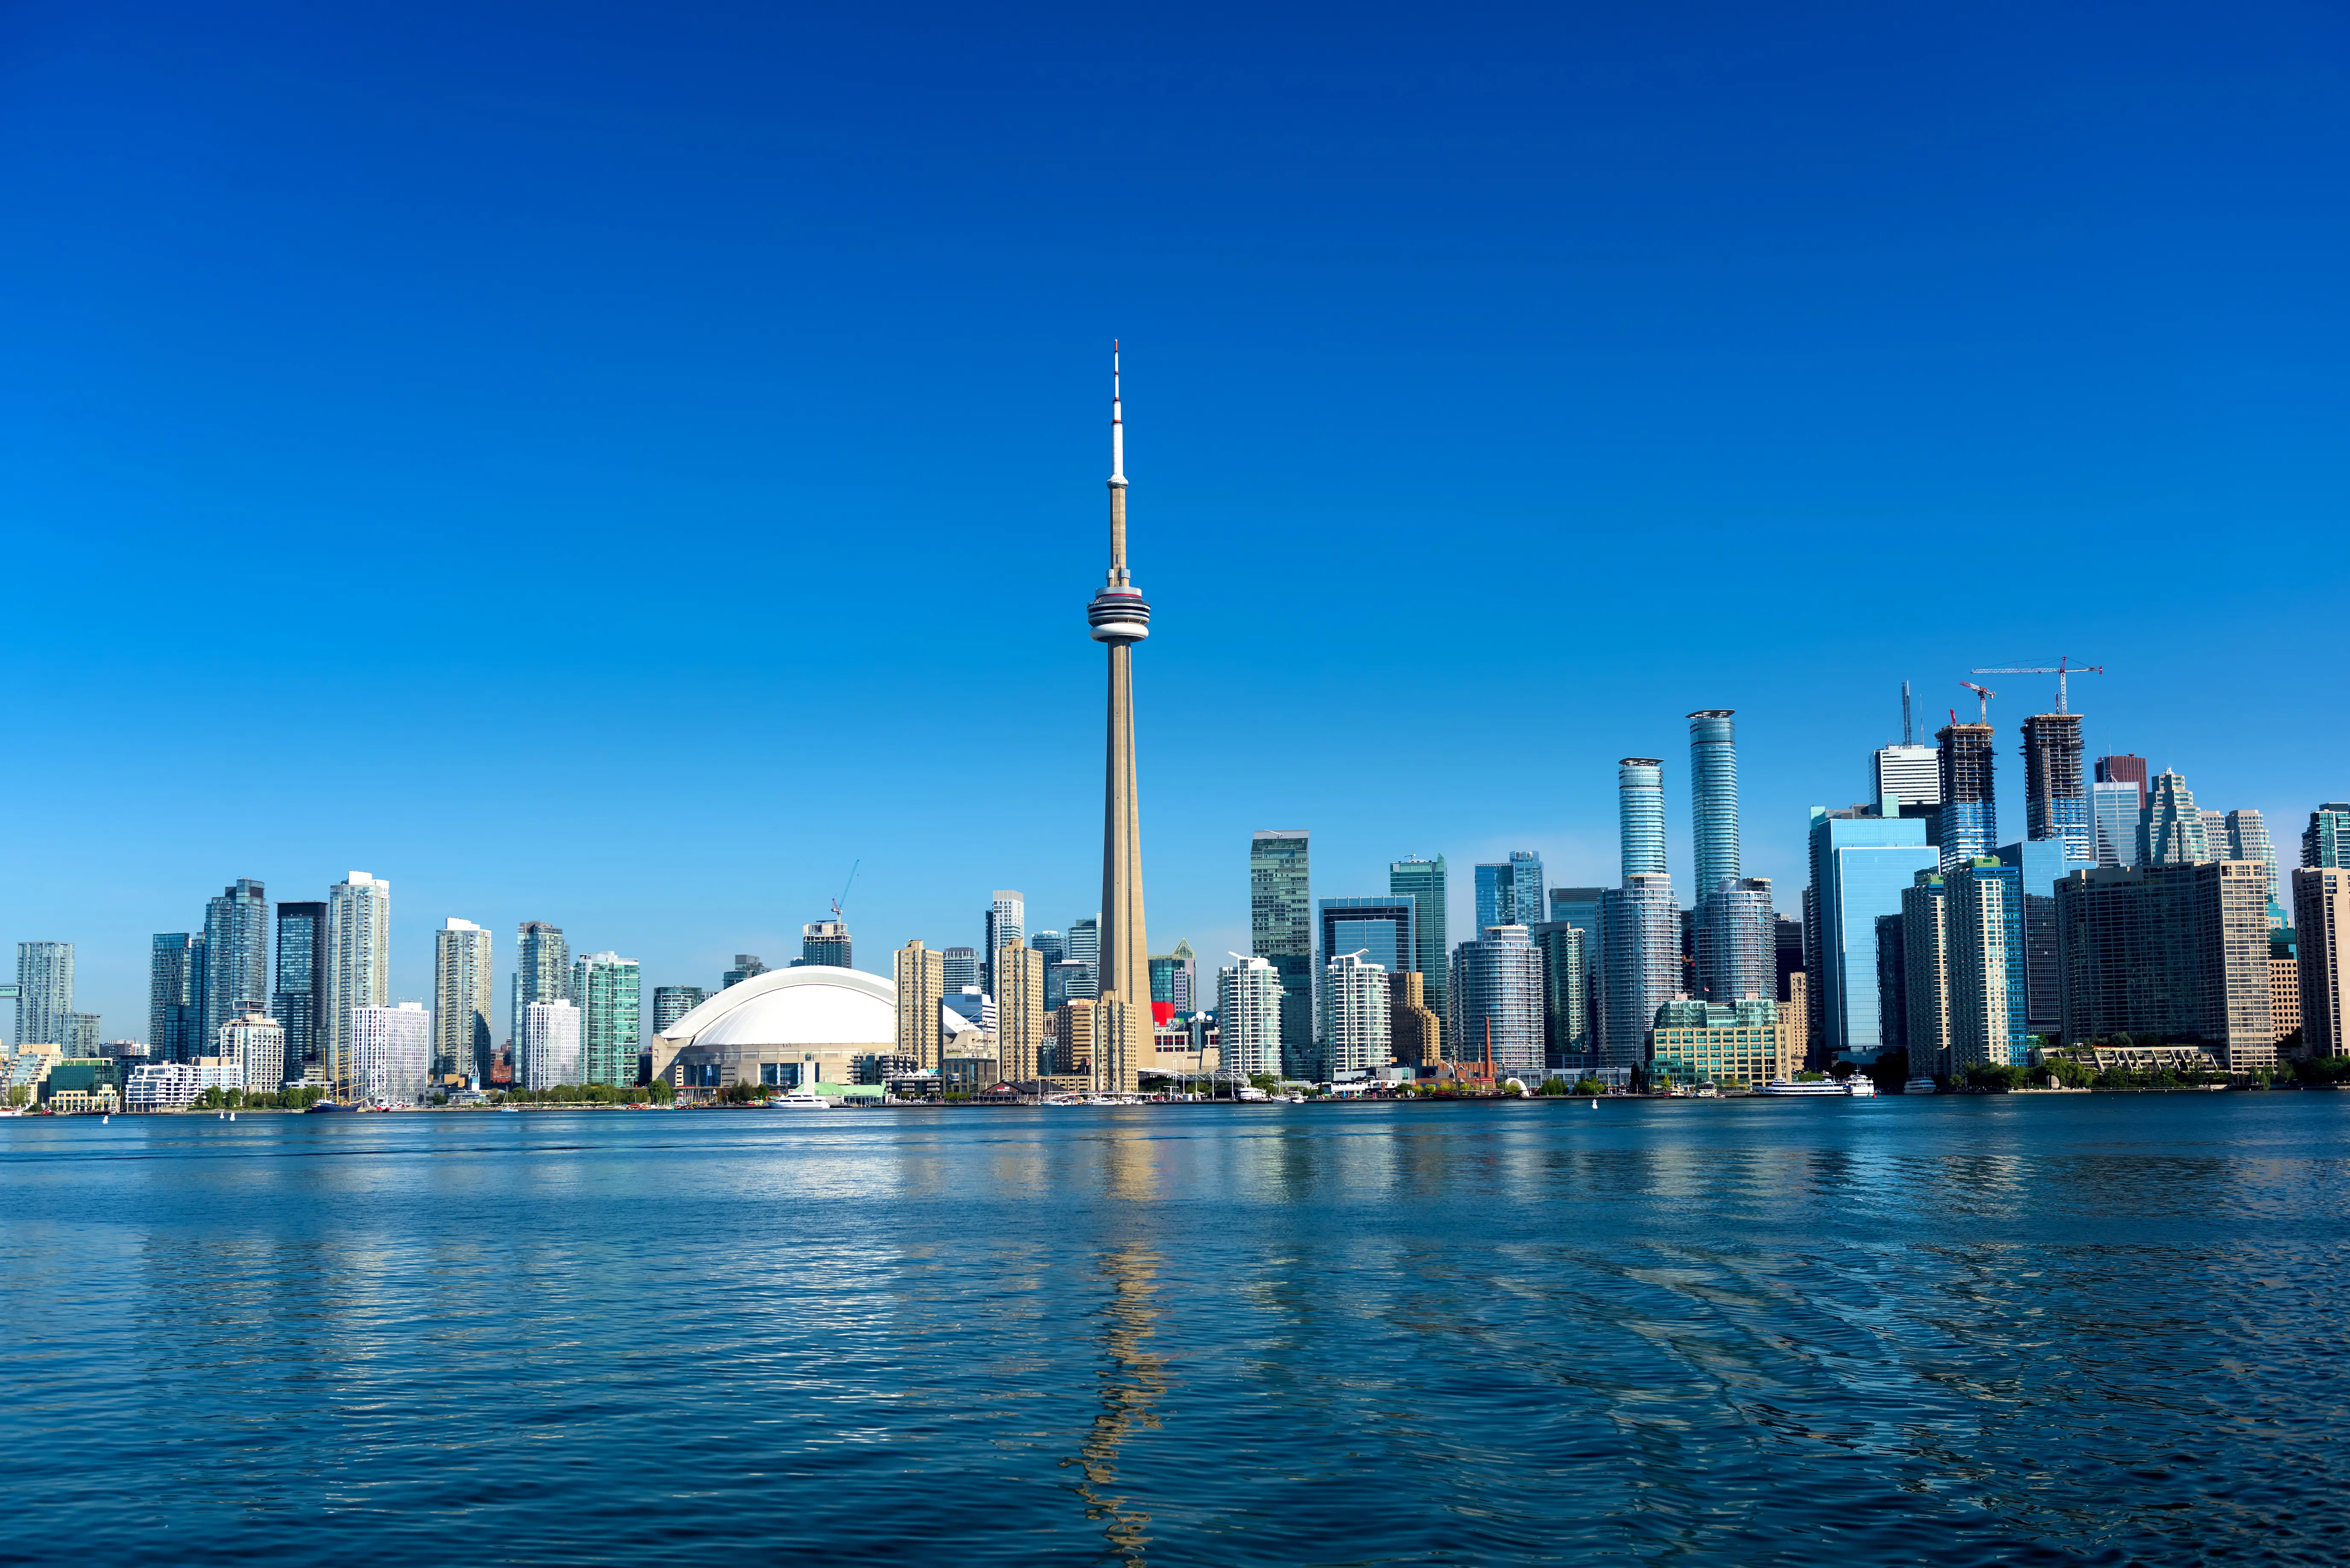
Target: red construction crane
{"x":2061,"y":668}
{"x":1983,"y":716}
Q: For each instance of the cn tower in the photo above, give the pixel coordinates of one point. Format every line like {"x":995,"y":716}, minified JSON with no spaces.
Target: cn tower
{"x":1120,"y":618}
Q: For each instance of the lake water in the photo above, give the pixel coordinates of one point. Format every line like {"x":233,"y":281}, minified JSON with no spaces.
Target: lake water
{"x":1948,"y":1330}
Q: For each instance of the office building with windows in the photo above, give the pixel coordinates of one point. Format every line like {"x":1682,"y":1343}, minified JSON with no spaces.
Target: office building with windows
{"x":1925,"y":975}
{"x":746,"y":966}
{"x":1567,"y":1041}
{"x":256,"y":1043}
{"x":2178,"y":950}
{"x":1905,"y":776}
{"x":1984,"y":957}
{"x":461,"y":972}
{"x":1423,"y":882}
{"x":2326,"y":843}
{"x":1729,"y":1043}
{"x":2321,"y":924}
{"x":298,"y":1000}
{"x":607,"y":989}
{"x":389,"y":1054}
{"x":827,"y":942}
{"x":2039,"y":864}
{"x":358,"y":974}
{"x":1357,"y":1037}
{"x":2172,"y":831}
{"x":1860,"y":862}
{"x":1250,"y":1000}
{"x":2116,"y":807}
{"x":1020,"y":1011}
{"x":1713,"y":802}
{"x":671,"y":1003}
{"x":236,"y":954}
{"x":1497,"y":1003}
{"x":548,"y":1043}
{"x":1085,"y":946}
{"x":542,"y":971}
{"x":1006,"y":922}
{"x":1510,"y":892}
{"x":1383,"y":930}
{"x":175,"y":996}
{"x":1415,"y":1033}
{"x":2128,"y":768}
{"x":1969,"y":810}
{"x":921,"y":985}
{"x":961,"y":967}
{"x":1579,"y":908}
{"x":1281,"y":931}
{"x":1064,"y":981}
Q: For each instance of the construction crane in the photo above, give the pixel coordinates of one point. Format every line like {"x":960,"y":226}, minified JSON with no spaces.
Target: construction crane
{"x":837,"y":915}
{"x":1982,"y":696}
{"x":2061,"y":668}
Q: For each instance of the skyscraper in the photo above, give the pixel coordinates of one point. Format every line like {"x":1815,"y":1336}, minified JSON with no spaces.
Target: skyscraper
{"x":1281,"y":931}
{"x":358,"y":974}
{"x":1984,"y":953}
{"x":827,"y":942}
{"x":1969,"y":809}
{"x":1424,"y":881}
{"x":671,"y":1003}
{"x":1566,"y":1009}
{"x":2056,"y":796}
{"x":255,"y":1044}
{"x":1713,"y":802}
{"x":299,"y":1002}
{"x":460,"y":998}
{"x":1860,"y":863}
{"x":2115,"y":808}
{"x":546,"y":1037}
{"x":961,"y":967}
{"x":921,"y":983}
{"x":1065,"y":979}
{"x":2180,"y":950}
{"x":1354,"y":997}
{"x":1019,"y":1011}
{"x":1737,"y":941}
{"x":542,"y":971}
{"x":1925,"y":974}
{"x":237,"y":955}
{"x":1186,"y":978}
{"x":2040,"y":865}
{"x":1911,"y":776}
{"x":1084,"y":947}
{"x":1119,"y":618}
{"x":1510,"y":892}
{"x":1250,"y":1001}
{"x":1579,"y":908}
{"x":1006,"y":922}
{"x":175,"y":997}
{"x":1640,"y":956}
{"x":1051,"y":946}
{"x":608,"y":990}
{"x":2320,"y":922}
{"x":748,"y":964}
{"x":1497,"y":991}
{"x":2170,"y":833}
{"x":1380,"y":928}
{"x":1640,"y":804}
{"x":389,"y":1050}
{"x":2128,"y":768}
{"x":2245,"y":834}
{"x":2325,"y":844}
{"x":45,"y":992}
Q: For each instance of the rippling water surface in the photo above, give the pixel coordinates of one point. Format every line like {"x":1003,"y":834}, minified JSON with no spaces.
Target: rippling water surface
{"x":1955,"y":1330}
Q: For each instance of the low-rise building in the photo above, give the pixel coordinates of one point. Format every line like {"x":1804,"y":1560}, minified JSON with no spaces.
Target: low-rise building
{"x":78,"y":1084}
{"x":1744,"y":1042}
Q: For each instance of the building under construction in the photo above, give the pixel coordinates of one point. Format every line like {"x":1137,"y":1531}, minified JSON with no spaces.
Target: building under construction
{"x":2055,"y":798}
{"x":1970,"y":811}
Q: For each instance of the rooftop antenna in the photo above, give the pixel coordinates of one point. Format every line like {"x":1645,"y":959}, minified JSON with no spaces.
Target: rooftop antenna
{"x":1905,"y":713}
{"x":839,"y":917}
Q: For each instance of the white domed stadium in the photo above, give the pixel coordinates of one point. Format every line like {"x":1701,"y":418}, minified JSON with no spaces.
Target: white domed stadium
{"x":780,"y":1029}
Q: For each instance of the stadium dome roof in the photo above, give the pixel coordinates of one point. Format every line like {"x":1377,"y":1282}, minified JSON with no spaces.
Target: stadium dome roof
{"x":814,"y":1005}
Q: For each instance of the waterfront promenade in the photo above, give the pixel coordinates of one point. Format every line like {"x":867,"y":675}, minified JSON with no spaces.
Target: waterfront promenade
{"x":1950,"y":1330}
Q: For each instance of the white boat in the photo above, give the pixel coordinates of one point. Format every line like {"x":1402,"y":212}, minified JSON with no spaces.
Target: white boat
{"x":800,"y":1100}
{"x":1296,"y":1098}
{"x":1918,"y":1086}
{"x":1248,"y":1092}
{"x":1856,"y":1087}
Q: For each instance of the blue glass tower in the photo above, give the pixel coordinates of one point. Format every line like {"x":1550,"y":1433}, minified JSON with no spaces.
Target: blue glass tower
{"x":1860,"y":864}
{"x":1640,"y":802}
{"x":1713,"y":800}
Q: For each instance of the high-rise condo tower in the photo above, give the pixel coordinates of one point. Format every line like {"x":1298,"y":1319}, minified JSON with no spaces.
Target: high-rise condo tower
{"x":1713,"y":800}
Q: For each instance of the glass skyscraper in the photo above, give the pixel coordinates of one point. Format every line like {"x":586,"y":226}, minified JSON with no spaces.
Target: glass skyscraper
{"x":45,"y":992}
{"x":1567,"y":1007}
{"x":237,"y":955}
{"x":175,"y":997}
{"x":1380,"y":928}
{"x":2116,"y":805}
{"x":1423,"y":882}
{"x":1860,"y":863}
{"x":605,"y":987}
{"x":542,"y":971}
{"x":1713,"y":801}
{"x":1084,"y":947}
{"x":1969,"y":808}
{"x":1509,"y":893}
{"x":1640,"y":806}
{"x":2039,"y":864}
{"x":2172,"y":831}
{"x":671,"y":1003}
{"x":1579,"y":908}
{"x":1989,"y":983}
{"x":1737,"y":943}
{"x":1007,"y":921}
{"x":2325,"y":844}
{"x":299,"y":1000}
{"x":1281,"y":931}
{"x":1641,"y":942}
{"x":1497,"y":991}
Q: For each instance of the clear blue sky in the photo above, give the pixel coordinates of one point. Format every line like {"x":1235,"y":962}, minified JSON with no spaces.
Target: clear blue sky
{"x":619,"y":466}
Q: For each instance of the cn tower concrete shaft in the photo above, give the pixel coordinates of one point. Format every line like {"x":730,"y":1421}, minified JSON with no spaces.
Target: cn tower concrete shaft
{"x":1120,"y":618}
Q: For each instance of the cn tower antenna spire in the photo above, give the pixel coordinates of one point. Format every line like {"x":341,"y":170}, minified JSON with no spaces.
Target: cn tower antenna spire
{"x":1117,"y":423}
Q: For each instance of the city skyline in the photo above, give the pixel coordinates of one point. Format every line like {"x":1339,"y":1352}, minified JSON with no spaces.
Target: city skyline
{"x":639,"y":441}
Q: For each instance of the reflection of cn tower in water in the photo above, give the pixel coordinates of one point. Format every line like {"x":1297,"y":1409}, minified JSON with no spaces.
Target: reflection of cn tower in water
{"x":1131,"y":1384}
{"x":1120,"y":618}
